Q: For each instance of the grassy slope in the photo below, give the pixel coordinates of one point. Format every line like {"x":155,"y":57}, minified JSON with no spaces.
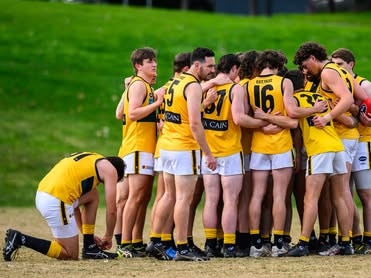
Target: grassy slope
{"x":62,"y":67}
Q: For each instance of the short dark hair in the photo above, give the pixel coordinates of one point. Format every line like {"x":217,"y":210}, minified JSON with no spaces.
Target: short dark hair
{"x":226,"y":62}
{"x":344,"y":54}
{"x":297,"y":79}
{"x":181,"y":60}
{"x":272,"y":59}
{"x":200,"y":54}
{"x":140,"y":54}
{"x":248,"y":64}
{"x":307,"y":49}
{"x":119,"y":165}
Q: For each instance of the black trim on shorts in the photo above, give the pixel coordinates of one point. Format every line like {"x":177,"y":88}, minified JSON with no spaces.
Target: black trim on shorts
{"x":63,"y":212}
{"x":136,"y":162}
{"x":194,"y":162}
{"x":309,"y":165}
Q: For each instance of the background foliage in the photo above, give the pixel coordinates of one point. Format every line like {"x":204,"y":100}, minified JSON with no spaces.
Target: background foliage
{"x":62,"y":67}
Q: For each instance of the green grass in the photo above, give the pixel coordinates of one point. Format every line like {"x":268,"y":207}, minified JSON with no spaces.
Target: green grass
{"x":62,"y":67}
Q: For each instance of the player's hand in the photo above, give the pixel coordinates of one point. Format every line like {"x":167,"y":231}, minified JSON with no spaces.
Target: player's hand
{"x":159,"y":95}
{"x":319,"y":122}
{"x":320,"y":106}
{"x":106,"y":243}
{"x":365,"y":119}
{"x":210,"y":161}
{"x":211,"y":97}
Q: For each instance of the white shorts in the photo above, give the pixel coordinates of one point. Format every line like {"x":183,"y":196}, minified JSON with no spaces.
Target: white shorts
{"x":225,"y":166}
{"x":350,"y":147}
{"x":362,"y":159}
{"x":261,"y":161}
{"x":181,"y":162}
{"x":139,"y":163}
{"x":362,"y":179}
{"x":327,"y":163}
{"x":157,"y":165}
{"x":59,"y":216}
{"x":246,"y":162}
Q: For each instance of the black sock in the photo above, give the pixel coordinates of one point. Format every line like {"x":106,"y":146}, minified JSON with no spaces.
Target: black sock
{"x":40,"y":245}
{"x":88,"y":240}
{"x":244,"y":241}
{"x":118,"y":239}
{"x":190,"y":241}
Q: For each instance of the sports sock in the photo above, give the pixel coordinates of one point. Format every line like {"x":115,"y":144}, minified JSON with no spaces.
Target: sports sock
{"x":118,"y":239}
{"x":88,"y":235}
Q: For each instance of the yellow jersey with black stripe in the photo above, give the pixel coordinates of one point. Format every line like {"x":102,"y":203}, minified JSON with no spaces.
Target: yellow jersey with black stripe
{"x":266,"y":92}
{"x":176,"y":133}
{"x":72,"y":177}
{"x":364,"y":131}
{"x":343,"y":131}
{"x":311,"y":86}
{"x":160,"y":117}
{"x":139,"y":135}
{"x":222,"y":134}
{"x":317,"y":140}
{"x":246,"y":133}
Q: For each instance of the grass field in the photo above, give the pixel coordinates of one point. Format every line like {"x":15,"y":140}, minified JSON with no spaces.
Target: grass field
{"x":62,"y":67}
{"x":31,"y":264}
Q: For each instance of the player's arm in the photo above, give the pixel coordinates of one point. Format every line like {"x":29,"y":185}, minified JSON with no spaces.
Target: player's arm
{"x":193,"y":94}
{"x":120,"y":108}
{"x":333,"y":81}
{"x":108,"y":175}
{"x":280,"y":120}
{"x":238,"y":110}
{"x":137,"y":94}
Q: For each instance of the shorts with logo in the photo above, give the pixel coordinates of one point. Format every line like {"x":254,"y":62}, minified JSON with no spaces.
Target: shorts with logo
{"x":181,"y":162}
{"x":350,"y":146}
{"x":59,"y":215}
{"x":139,"y":163}
{"x":361,"y":170}
{"x":362,"y":158}
{"x":331,"y":163}
{"x":225,"y":166}
{"x":261,"y":161}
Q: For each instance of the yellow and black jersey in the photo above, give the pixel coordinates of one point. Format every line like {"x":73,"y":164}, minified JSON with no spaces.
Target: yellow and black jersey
{"x":317,"y":140}
{"x":364,"y":131}
{"x":246,"y":133}
{"x":138,"y":135}
{"x":311,"y":86}
{"x":176,"y":133}
{"x":72,"y":177}
{"x":343,"y":131}
{"x":266,"y":92}
{"x":222,"y":134}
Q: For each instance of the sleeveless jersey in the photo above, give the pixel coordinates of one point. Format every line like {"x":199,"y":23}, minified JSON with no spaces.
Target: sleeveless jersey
{"x":246,"y":133}
{"x":222,"y":134}
{"x":138,"y":135}
{"x":311,"y":86}
{"x":343,"y":131}
{"x":364,"y":131}
{"x":317,"y":140}
{"x":160,"y":116}
{"x":176,"y":133}
{"x":72,"y":177}
{"x":266,"y":92}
